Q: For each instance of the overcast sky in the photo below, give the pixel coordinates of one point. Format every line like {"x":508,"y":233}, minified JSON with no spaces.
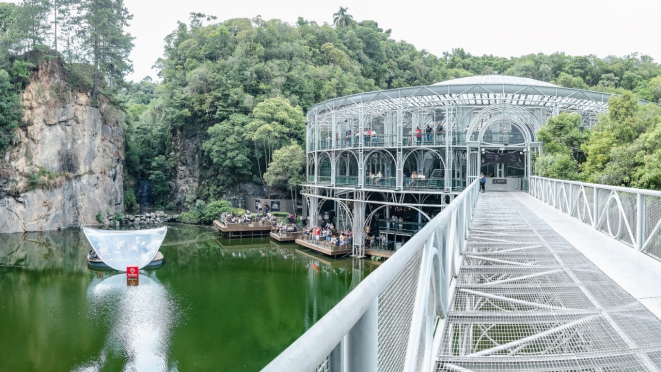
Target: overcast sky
{"x":503,"y":28}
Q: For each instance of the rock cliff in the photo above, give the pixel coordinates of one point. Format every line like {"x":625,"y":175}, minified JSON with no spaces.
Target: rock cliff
{"x":67,"y":164}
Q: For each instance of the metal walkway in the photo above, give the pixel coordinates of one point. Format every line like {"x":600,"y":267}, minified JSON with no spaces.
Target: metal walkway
{"x":528,"y":300}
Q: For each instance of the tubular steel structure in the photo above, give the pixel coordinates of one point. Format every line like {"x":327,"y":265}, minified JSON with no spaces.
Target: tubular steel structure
{"x":632,"y":216}
{"x":362,"y":148}
{"x":392,"y":320}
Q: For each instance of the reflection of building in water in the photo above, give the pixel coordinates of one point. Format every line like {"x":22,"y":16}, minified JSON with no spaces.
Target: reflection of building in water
{"x":139,"y":321}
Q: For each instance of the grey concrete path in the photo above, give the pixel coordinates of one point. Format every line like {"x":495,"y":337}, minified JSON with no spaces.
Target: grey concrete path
{"x":637,"y":273}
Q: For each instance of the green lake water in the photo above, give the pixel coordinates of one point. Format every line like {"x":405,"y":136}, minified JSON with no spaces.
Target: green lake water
{"x":216,"y":304}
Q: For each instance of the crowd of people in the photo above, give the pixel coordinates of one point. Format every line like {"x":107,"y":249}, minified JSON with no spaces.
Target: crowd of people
{"x":417,"y":135}
{"x":247,"y":217}
{"x":284,"y":228}
{"x":328,"y":235}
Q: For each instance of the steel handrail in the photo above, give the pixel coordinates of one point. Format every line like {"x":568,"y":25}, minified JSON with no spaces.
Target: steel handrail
{"x":312,"y":348}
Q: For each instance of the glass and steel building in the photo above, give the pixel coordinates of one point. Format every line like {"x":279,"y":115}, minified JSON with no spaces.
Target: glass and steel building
{"x":363,"y":150}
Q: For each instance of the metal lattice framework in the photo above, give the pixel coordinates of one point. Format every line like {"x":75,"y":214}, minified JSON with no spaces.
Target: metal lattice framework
{"x":484,"y":112}
{"x":632,"y":216}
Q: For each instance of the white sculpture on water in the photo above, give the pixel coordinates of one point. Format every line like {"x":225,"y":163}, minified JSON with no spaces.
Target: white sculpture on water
{"x":119,"y":249}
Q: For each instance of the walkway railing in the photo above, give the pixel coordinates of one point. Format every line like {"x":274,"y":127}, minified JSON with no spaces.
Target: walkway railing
{"x":632,"y":216}
{"x":393,"y":320}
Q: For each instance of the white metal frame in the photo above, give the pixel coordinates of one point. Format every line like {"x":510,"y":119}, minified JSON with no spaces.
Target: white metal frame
{"x":349,"y":337}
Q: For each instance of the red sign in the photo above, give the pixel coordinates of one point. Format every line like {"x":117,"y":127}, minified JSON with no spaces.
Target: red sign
{"x":132,"y":272}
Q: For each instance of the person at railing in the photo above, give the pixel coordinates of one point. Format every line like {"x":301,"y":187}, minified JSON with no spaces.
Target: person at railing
{"x":315,"y":234}
{"x":375,"y":138}
{"x":401,"y":224}
{"x":410,"y":137}
{"x":428,"y":135}
{"x":347,"y":134}
{"x":337,"y":139}
{"x":378,"y":178}
{"x":414,"y":177}
{"x":407,"y":176}
{"x":421,"y":176}
{"x":418,"y":135}
{"x":366,"y":137}
{"x":439,"y":132}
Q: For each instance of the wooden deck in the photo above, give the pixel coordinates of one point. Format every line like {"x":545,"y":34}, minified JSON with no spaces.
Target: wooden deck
{"x":287,"y":237}
{"x":325,"y":249}
{"x":379,"y":252}
{"x":243,"y":230}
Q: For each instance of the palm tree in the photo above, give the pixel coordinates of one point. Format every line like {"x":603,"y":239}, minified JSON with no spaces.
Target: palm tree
{"x":342,"y":18}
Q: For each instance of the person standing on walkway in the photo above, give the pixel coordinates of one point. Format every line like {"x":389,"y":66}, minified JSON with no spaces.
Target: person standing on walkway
{"x":483,"y":182}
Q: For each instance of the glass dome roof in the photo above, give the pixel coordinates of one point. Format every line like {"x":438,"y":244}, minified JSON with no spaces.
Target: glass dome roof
{"x":495,"y":79}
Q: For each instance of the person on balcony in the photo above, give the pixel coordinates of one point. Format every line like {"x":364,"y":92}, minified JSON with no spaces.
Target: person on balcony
{"x":414,"y":178}
{"x":366,"y":137}
{"x":328,"y":142}
{"x":375,"y":139}
{"x":348,"y":137}
{"x":428,"y":134}
{"x":439,"y":130}
{"x":421,"y":176}
{"x":418,"y":135}
{"x":378,"y":178}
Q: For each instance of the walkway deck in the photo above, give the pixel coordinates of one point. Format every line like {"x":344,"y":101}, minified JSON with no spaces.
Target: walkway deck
{"x":285,"y":238}
{"x":379,"y":253}
{"x":325,"y":249}
{"x":243,"y":230}
{"x":526,"y":299}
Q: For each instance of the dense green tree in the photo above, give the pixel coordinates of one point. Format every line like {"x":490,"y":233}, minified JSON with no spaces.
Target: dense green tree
{"x":104,"y":40}
{"x":10,"y":111}
{"x":228,"y":150}
{"x":561,"y":140}
{"x":275,"y":123}
{"x":287,"y":168}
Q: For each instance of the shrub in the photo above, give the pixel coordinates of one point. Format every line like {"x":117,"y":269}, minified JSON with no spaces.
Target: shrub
{"x":280,"y":214}
{"x":238,"y":211}
{"x":118,"y":217}
{"x":213,"y":210}
{"x":130,"y":201}
{"x":99,"y":217}
{"x":190,"y":217}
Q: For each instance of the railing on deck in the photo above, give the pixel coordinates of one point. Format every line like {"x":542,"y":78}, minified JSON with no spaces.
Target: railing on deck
{"x":632,"y":216}
{"x":393,"y":320}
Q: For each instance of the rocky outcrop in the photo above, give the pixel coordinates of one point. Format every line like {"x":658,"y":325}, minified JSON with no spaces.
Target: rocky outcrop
{"x":67,"y":165}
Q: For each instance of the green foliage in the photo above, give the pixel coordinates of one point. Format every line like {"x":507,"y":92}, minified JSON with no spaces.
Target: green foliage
{"x":214,"y":209}
{"x":287,"y":169}
{"x":118,"y":216}
{"x":130,"y":201}
{"x":10,"y":111}
{"x":206,"y":213}
{"x":99,"y":217}
{"x":238,"y":211}
{"x":280,"y":214}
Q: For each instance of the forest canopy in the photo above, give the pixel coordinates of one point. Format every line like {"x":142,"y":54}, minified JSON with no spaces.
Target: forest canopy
{"x":235,"y":92}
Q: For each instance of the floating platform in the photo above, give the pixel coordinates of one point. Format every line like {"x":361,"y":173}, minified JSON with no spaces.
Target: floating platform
{"x":156,"y":263}
{"x":243,"y":230}
{"x":286,"y":237}
{"x":379,"y":253}
{"x":329,"y":250}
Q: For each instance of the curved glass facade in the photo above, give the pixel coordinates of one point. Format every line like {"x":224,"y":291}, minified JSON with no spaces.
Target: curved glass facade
{"x":119,"y":249}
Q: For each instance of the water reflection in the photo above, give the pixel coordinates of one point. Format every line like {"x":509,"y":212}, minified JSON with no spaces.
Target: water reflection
{"x":140,"y":321}
{"x":216,"y":304}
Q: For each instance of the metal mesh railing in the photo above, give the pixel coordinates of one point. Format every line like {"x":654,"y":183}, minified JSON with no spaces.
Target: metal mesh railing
{"x":391,"y":321}
{"x":631,"y":216}
{"x":526,"y":300}
{"x":395,"y":315}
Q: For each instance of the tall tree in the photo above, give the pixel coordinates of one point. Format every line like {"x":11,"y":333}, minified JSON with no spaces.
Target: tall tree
{"x":105,"y":42}
{"x":342,"y":18}
{"x":287,"y":168}
{"x":32,"y":27}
